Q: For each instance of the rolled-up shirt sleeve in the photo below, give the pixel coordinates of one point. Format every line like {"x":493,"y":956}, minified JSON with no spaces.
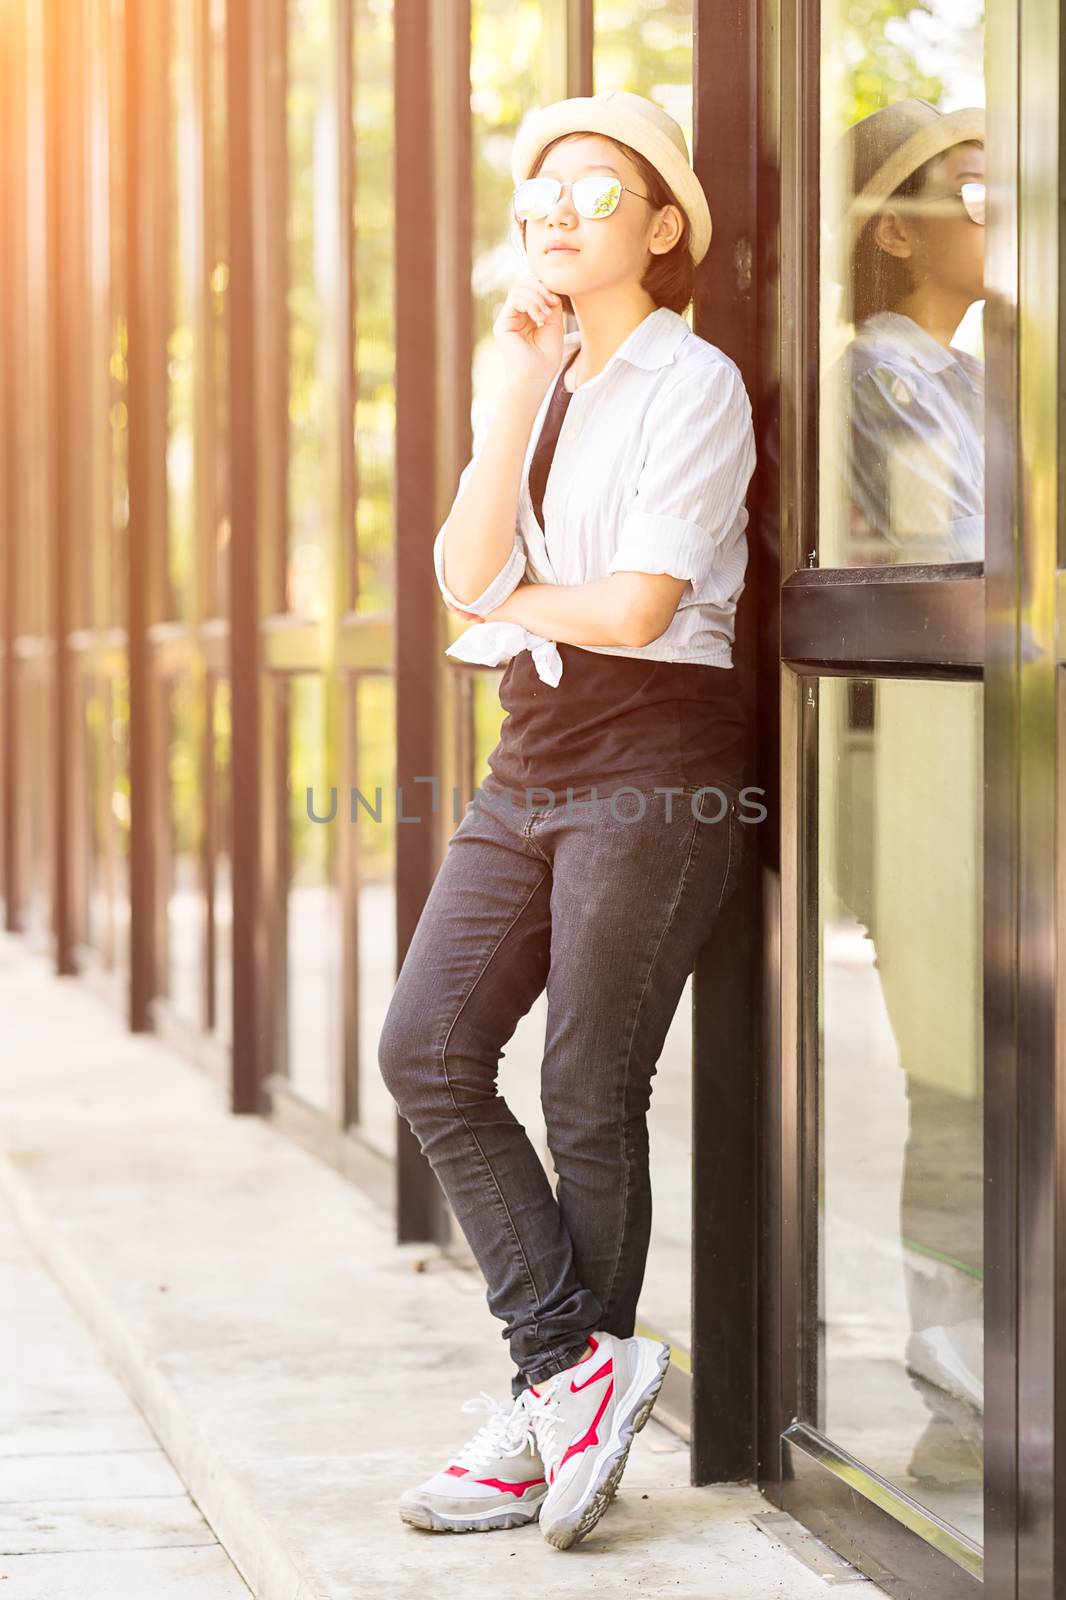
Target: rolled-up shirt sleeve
{"x":688,"y":513}
{"x":510,"y":574}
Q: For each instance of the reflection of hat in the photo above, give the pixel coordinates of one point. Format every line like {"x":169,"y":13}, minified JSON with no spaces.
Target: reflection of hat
{"x":632,"y":120}
{"x":887,"y":146}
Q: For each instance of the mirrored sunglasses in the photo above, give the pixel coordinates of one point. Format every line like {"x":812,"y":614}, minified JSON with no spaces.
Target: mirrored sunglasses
{"x":973,"y":198}
{"x":595,"y":196}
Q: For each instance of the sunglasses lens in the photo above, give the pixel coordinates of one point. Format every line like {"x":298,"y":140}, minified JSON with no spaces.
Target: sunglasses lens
{"x":597,"y":195}
{"x":973,"y":198}
{"x":534,"y":198}
{"x":594,"y":196}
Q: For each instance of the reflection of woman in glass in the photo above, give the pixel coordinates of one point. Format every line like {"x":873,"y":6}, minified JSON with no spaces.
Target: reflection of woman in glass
{"x":916,"y":265}
{"x":914,"y":459}
{"x":598,"y":855}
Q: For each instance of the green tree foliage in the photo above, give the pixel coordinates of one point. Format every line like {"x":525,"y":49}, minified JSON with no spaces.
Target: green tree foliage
{"x":873,"y":61}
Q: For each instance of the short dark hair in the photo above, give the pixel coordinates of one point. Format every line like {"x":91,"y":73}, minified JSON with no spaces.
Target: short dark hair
{"x":879,"y":281}
{"x":669,"y":278}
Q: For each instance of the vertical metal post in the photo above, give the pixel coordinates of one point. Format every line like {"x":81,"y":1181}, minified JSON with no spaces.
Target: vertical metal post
{"x":726,"y":977}
{"x":580,"y":41}
{"x":12,"y":458}
{"x":247,"y":958}
{"x":420,"y":1209}
{"x":147,"y":277}
{"x":1029,"y":654}
{"x":1004,"y":1455}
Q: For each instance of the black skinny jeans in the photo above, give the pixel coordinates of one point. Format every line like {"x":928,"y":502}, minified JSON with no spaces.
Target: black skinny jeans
{"x":607,"y":903}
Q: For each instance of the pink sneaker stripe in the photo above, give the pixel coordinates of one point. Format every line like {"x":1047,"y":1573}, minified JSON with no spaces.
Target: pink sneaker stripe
{"x":591,"y":1437}
{"x":517,"y":1489}
{"x":576,"y":1388}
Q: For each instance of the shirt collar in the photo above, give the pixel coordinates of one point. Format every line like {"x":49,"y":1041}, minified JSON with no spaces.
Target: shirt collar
{"x":653,"y":343}
{"x":893,"y":329}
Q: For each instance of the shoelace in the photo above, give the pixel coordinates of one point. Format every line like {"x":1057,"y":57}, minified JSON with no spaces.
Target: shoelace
{"x":542,"y":1417}
{"x":506,"y":1433}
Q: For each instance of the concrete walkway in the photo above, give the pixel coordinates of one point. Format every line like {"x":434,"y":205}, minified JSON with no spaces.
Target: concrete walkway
{"x":90,"y":1506}
{"x":297,"y":1368}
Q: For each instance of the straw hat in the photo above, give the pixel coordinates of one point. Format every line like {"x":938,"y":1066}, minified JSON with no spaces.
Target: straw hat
{"x":632,"y":120}
{"x":888,"y":145}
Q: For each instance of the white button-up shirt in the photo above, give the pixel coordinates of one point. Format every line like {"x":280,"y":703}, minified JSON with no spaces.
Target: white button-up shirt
{"x":649,"y":474}
{"x":916,"y":445}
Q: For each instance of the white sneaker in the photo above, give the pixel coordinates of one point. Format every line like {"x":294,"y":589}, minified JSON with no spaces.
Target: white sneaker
{"x":496,"y":1480}
{"x":584,"y":1421}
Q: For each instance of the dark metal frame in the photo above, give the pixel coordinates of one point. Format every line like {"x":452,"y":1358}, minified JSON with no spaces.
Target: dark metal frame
{"x":1028,"y":1322}
{"x":146,"y":190}
{"x":726,"y":1076}
{"x":12,"y":459}
{"x":420,"y":1207}
{"x":244,"y":666}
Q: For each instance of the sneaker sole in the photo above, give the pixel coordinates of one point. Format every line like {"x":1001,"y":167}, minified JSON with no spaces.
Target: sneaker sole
{"x":584,"y":1518}
{"x":638,"y":1422}
{"x":418,"y":1514}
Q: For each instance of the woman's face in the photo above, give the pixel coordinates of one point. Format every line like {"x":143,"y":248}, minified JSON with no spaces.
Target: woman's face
{"x":600,"y":251}
{"x":942,"y":245}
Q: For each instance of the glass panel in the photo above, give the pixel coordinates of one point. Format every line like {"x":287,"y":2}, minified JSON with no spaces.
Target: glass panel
{"x":107,"y":829}
{"x":182,"y":353}
{"x":646,"y":48}
{"x":517,"y":61}
{"x":375,"y":317}
{"x":181,"y":704}
{"x":374,"y":855}
{"x":106,"y":816}
{"x":901,"y":1085}
{"x":222,"y":903}
{"x":114,"y":273}
{"x":119,"y":702}
{"x":34,"y":801}
{"x":313,"y":942}
{"x":94,"y":603}
{"x":313,"y":243}
{"x":902,"y":251}
{"x":216,"y":377}
{"x":33,"y":578}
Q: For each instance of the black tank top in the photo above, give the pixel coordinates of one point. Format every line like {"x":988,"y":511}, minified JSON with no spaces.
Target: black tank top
{"x":612,"y":720}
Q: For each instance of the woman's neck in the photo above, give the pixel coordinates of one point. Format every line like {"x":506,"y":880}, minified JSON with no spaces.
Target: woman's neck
{"x":938,"y":311}
{"x":603,"y":329}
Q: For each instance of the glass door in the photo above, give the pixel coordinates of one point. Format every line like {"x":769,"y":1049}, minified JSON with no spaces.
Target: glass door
{"x":903,"y":646}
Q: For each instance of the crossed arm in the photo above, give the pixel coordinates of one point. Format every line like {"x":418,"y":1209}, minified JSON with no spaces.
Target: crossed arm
{"x":626,"y":608}
{"x":687,"y":498}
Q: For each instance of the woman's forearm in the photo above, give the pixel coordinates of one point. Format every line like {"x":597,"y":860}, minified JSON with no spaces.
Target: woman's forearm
{"x":479,"y":532}
{"x":583,"y":613}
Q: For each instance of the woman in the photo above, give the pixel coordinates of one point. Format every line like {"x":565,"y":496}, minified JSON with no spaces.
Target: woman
{"x":591,"y":862}
{"x":913,"y":264}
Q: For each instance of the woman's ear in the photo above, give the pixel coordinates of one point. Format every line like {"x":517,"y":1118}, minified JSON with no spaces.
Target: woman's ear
{"x":890,"y":234}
